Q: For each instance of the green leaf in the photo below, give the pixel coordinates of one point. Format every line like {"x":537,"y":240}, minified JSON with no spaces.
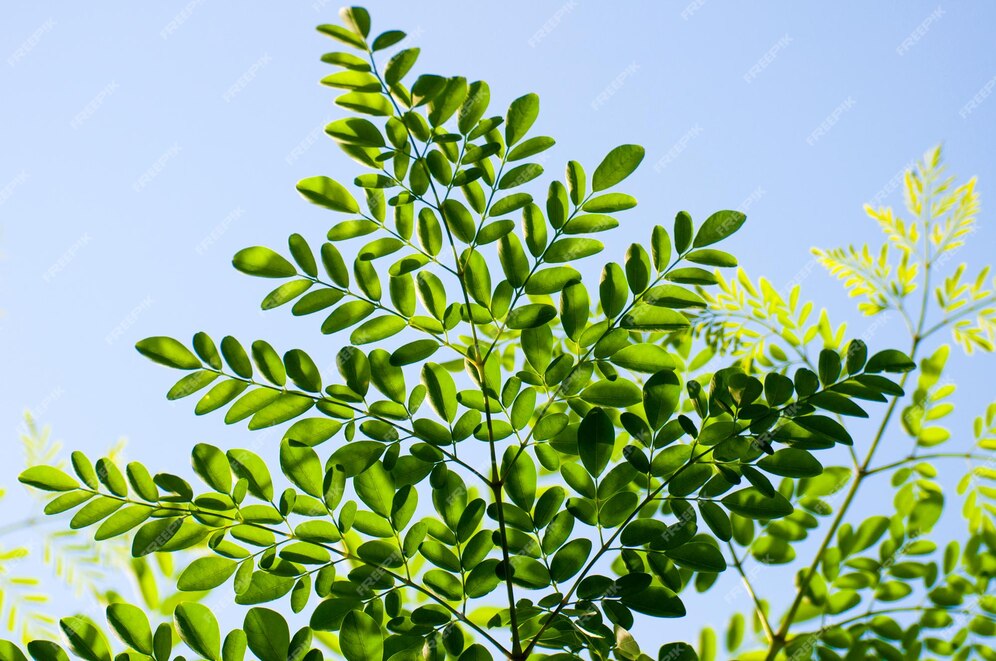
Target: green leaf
{"x":328,"y":193}
{"x":673,"y":296}
{"x":613,"y":290}
{"x":660,"y":247}
{"x":590,"y":223}
{"x":829,"y":366}
{"x":286,"y":406}
{"x":644,"y":357}
{"x":683,"y":229}
{"x":356,"y":131}
{"x":198,"y":628}
{"x":342,"y":34}
{"x":262,"y":262}
{"x":471,"y":110}
{"x":302,"y":370}
{"x":889,"y":360}
{"x":574,"y":309}
{"x":458,"y":218}
{"x":519,"y":477}
{"x":248,"y":465}
{"x":312,"y":431}
{"x":40,"y":650}
{"x":85,"y":639}
{"x":609,"y":203}
{"x":360,"y":638}
{"x":441,"y":390}
{"x":366,"y":103}
{"x":190,"y":384}
{"x":357,"y":456}
{"x":615,"y":394}
{"x":521,"y":115}
{"x":375,"y":487}
{"x":387,"y":39}
{"x":48,"y":479}
{"x":302,"y":466}
{"x":596,"y":440}
{"x":169,"y":352}
{"x":869,"y":532}
{"x":857,"y":354}
{"x":572,"y":249}
{"x":530,"y":147}
{"x":531,"y":315}
{"x":267,"y":634}
{"x":778,"y":388}
{"x":649,"y":318}
{"x":692,"y":276}
{"x":616,"y":166}
{"x":162,"y":640}
{"x":654,"y":601}
{"x":836,"y":403}
{"x":9,"y":650}
{"x":210,"y":464}
{"x":132,"y":626}
{"x":510,"y":203}
{"x":447,"y":101}
{"x":753,"y":504}
{"x":717,"y":227}
{"x":205,"y":573}
{"x":234,"y":647}
{"x":698,"y":556}
{"x":716,"y":519}
{"x":711,"y":257}
{"x":791,"y":462}
{"x":236,"y":357}
{"x":122,"y":521}
{"x":570,"y":559}
{"x":661,"y":394}
{"x":575,"y":182}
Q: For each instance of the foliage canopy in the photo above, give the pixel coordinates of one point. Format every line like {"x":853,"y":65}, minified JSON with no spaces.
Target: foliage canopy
{"x":516,"y":462}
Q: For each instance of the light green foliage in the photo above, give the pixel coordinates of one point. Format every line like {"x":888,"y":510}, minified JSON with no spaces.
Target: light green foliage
{"x":883,"y":582}
{"x":84,"y":571}
{"x":512,"y":461}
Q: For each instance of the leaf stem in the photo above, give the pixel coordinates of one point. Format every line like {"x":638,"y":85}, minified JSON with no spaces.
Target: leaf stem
{"x":758,"y":606}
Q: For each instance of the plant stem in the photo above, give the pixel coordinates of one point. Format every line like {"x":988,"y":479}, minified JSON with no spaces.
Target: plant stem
{"x":606,"y":546}
{"x":924,"y":457}
{"x":758,"y":607}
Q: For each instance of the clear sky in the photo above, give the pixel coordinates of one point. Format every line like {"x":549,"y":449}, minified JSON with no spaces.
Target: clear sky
{"x":141,"y":145}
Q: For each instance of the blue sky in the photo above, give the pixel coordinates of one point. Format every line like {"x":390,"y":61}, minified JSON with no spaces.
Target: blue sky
{"x":143,"y":146}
